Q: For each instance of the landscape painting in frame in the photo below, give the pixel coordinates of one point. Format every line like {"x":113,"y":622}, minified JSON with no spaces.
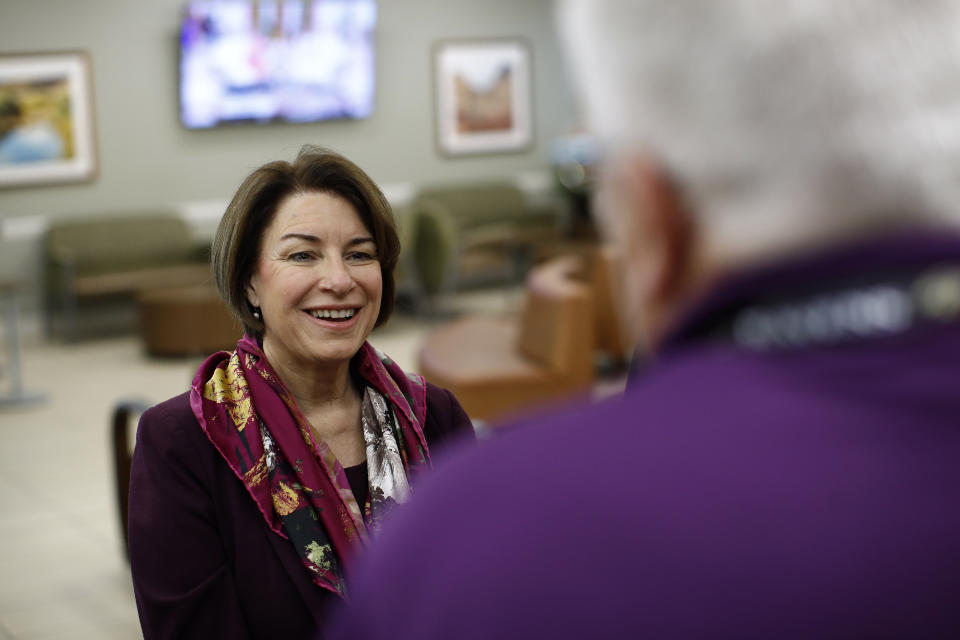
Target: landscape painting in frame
{"x":46,"y":119}
{"x":483,"y":96}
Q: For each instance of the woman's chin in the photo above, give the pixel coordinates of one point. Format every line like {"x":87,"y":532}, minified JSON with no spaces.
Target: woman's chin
{"x":335,"y":351}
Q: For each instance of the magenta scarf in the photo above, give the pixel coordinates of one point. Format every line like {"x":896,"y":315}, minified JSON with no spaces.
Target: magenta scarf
{"x":295,"y":480}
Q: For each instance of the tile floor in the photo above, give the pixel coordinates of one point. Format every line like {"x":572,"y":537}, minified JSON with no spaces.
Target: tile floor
{"x":62,"y":568}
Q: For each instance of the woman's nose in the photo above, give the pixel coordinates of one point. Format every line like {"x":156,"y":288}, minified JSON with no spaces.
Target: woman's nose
{"x":337,"y":278}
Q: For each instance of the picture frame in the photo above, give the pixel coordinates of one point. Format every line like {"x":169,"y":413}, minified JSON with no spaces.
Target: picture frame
{"x":46,"y":119}
{"x":483,"y":91}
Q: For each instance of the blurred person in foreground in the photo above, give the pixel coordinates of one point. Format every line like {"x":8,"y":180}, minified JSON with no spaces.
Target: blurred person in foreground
{"x":782,"y":180}
{"x":250,"y":493}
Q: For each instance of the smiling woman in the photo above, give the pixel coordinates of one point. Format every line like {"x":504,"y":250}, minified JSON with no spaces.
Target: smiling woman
{"x":251,"y":493}
{"x":318,"y":286}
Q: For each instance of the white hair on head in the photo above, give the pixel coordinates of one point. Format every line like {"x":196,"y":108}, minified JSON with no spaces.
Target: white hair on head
{"x":785,"y":121}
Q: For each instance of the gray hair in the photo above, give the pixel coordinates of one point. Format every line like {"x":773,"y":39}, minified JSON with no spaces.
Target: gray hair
{"x":784,"y":121}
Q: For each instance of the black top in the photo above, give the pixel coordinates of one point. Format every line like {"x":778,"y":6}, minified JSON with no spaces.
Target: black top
{"x":359,"y":484}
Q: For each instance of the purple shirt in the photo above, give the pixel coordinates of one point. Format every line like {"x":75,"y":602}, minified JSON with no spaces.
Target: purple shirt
{"x":805,"y":492}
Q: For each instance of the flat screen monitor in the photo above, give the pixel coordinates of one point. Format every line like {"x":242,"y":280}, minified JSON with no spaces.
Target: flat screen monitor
{"x":280,"y":60}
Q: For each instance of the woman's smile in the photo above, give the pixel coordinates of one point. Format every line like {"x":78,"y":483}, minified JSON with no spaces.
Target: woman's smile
{"x":333,"y":314}
{"x":337,"y":318}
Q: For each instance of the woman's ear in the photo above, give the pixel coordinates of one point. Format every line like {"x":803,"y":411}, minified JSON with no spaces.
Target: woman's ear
{"x":252,"y":296}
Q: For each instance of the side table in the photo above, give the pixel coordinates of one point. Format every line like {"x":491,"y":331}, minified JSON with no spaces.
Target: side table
{"x":190,"y":320}
{"x":15,"y":394}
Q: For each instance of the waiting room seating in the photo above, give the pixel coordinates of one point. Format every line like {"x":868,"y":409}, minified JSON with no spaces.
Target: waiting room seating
{"x":604,"y":274}
{"x":498,"y":366}
{"x":90,"y":257}
{"x":461,"y":230}
{"x":602,"y":268}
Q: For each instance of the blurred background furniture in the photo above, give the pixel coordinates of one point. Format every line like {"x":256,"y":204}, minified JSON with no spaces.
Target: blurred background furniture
{"x":126,"y":414}
{"x":190,"y":320}
{"x":574,"y":159}
{"x":476,"y":233}
{"x":119,"y":255}
{"x":604,"y":273}
{"x":12,"y":392}
{"x":500,"y":365}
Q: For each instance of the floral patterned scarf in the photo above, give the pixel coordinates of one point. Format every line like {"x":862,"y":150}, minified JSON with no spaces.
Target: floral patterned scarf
{"x":295,"y":480}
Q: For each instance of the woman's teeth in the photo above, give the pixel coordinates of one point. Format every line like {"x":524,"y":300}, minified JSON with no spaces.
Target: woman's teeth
{"x":333,"y":314}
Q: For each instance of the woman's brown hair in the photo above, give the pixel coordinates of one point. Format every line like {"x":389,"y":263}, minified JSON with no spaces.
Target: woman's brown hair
{"x":236,"y":245}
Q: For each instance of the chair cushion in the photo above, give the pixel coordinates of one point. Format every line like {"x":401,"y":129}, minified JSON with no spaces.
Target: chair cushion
{"x":476,"y":350}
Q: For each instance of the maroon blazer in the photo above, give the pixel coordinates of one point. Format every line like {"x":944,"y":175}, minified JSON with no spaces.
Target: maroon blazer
{"x":204,"y":562}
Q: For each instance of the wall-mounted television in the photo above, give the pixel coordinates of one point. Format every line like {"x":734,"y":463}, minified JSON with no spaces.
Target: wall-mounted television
{"x":276,"y":61}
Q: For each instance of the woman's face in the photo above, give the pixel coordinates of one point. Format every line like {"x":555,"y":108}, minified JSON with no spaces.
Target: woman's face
{"x":317,"y":282}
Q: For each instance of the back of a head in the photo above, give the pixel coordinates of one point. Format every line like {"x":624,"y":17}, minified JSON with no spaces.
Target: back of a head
{"x":783,"y":122}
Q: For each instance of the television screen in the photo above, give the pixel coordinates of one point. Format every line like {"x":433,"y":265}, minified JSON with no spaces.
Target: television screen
{"x":281,"y":60}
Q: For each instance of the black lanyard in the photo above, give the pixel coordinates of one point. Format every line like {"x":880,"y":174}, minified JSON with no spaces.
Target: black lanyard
{"x":840,"y":313}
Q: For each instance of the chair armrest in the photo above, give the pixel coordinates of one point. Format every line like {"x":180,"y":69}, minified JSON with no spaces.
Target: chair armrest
{"x":436,"y":246}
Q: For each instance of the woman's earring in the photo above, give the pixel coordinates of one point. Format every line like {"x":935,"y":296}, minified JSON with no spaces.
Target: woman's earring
{"x":256,"y":313}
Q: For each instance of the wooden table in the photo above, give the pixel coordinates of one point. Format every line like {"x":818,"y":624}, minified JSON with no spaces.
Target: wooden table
{"x":190,"y":320}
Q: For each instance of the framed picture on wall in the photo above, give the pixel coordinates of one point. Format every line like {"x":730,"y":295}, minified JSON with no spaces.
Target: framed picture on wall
{"x":46,"y":119}
{"x":483,"y":96}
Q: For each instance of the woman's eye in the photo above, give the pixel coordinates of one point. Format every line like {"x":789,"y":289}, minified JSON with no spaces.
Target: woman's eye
{"x":300,"y":256}
{"x":361,"y":256}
